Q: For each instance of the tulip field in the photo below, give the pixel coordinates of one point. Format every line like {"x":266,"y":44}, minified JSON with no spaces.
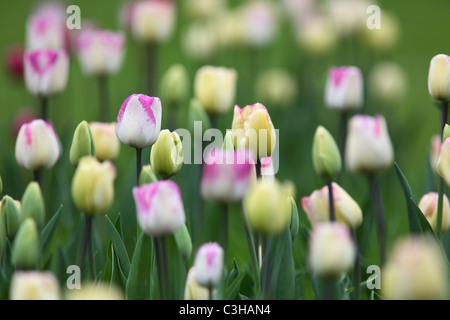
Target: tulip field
{"x":224,"y":150}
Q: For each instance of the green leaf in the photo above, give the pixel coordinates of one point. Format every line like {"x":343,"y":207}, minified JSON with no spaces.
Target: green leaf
{"x":49,"y":230}
{"x":295,"y":220}
{"x":119,"y":247}
{"x":233,"y":274}
{"x":138,"y":283}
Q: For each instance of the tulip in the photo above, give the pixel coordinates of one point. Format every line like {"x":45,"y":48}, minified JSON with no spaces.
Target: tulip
{"x":23,"y":116}
{"x":344,"y":89}
{"x":439,"y":78}
{"x":100,"y":52}
{"x":82,"y":144}
{"x":226,"y":175}
{"x":267,"y":168}
{"x":34,"y":285}
{"x":139,"y":121}
{"x":348,"y":16}
{"x":253,"y":129}
{"x":267,"y":206}
{"x":215,"y":88}
{"x":96,"y":291}
{"x":208,"y":264}
{"x":159,"y":208}
{"x":25,"y":246}
{"x":231,"y":29}
{"x":147,"y":175}
{"x":192,"y":290}
{"x":317,"y":36}
{"x":388,"y":82}
{"x":276,"y":87}
{"x":385,"y":38}
{"x":175,"y":85}
{"x":416,"y":270}
{"x":46,"y":71}
{"x":93,"y":186}
{"x":107,"y":146}
{"x":152,"y":20}
{"x":184,"y":242}
{"x":325,"y":154}
{"x":167,"y":154}
{"x":33,"y":205}
{"x":14,"y":61}
{"x":428,"y":205}
{"x":260,"y":23}
{"x":204,"y":8}
{"x":37,"y":146}
{"x":435,"y":149}
{"x":10,"y":217}
{"x":369,"y":148}
{"x":46,"y":28}
{"x":201,"y":40}
{"x":443,"y":163}
{"x":347,"y":210}
{"x":331,"y":249}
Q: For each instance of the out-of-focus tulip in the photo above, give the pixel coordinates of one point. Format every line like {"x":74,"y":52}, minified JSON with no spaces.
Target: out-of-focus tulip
{"x":152,"y":21}
{"x":46,"y":71}
{"x":344,"y":89}
{"x":100,"y":52}
{"x":139,"y":121}
{"x":267,"y":168}
{"x":10,"y":218}
{"x":204,"y":8}
{"x":369,"y":148}
{"x":107,"y":146}
{"x":325,"y":154}
{"x":147,"y":175}
{"x":33,"y":205}
{"x":25,"y":247}
{"x":347,"y":211}
{"x":96,"y":291}
{"x":34,"y":285}
{"x":208,"y":264}
{"x":428,"y":205}
{"x":386,"y":37}
{"x":443,"y":164}
{"x":215,"y":88}
{"x":192,"y":290}
{"x":159,"y":207}
{"x":226,"y":175}
{"x":416,"y":270}
{"x":253,"y":129}
{"x":331,"y":249}
{"x":387,"y":82}
{"x":82,"y":143}
{"x":348,"y":16}
{"x":317,"y":36}
{"x":267,"y":206}
{"x":175,"y":85}
{"x":13,"y":61}
{"x":37,"y":146}
{"x":93,"y":185}
{"x":201,"y":40}
{"x":276,"y":87}
{"x":260,"y":23}
{"x":435,"y":150}
{"x":231,"y":30}
{"x":184,"y":242}
{"x":20,"y":118}
{"x":439,"y":78}
{"x":166,"y":156}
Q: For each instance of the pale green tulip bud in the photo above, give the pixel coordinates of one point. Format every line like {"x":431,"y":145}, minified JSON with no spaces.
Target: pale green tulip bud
{"x":10,"y":217}
{"x":325,"y":153}
{"x":184,"y":242}
{"x":295,"y":220}
{"x":175,"y":85}
{"x":25,"y":247}
{"x":82,"y":143}
{"x":33,"y":204}
{"x":446,"y":133}
{"x":167,"y":154}
{"x":147,"y":175}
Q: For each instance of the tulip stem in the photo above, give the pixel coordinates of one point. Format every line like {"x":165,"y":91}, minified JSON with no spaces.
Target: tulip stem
{"x":444,"y":118}
{"x":103,"y":97}
{"x":138,"y":164}
{"x":376,"y":198}
{"x":44,"y":107}
{"x":151,"y":68}
{"x":86,"y":247}
{"x":357,"y":270}
{"x":37,"y":177}
{"x":342,"y":132}
{"x":210,"y":293}
{"x":225,"y":228}
{"x":258,"y":169}
{"x":161,"y":262}
{"x":331,"y":201}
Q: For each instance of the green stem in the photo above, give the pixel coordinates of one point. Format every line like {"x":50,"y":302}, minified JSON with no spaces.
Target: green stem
{"x":138,"y":164}
{"x":86,"y":247}
{"x":44,"y":108}
{"x":103,"y":97}
{"x":356,"y":270}
{"x":342,"y":132}
{"x":225,"y":229}
{"x":37,"y":177}
{"x":210,"y":293}
{"x":440,"y":206}
{"x":331,"y":201}
{"x":380,"y":216}
{"x":151,"y":57}
{"x":160,"y":267}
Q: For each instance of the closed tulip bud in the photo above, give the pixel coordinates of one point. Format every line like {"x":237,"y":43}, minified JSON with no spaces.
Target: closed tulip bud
{"x":167,"y":154}
{"x":267,"y":206}
{"x":295,"y":219}
{"x":208,"y":264}
{"x":197,"y":113}
{"x":201,"y":40}
{"x":317,"y":35}
{"x":192,"y":290}
{"x":34,"y":285}
{"x":184,"y":242}
{"x":446,"y":132}
{"x":325,"y":153}
{"x":385,"y":38}
{"x":10,"y":217}
{"x":277,"y":87}
{"x":100,"y":52}
{"x":93,"y":185}
{"x":33,"y":204}
{"x":82,"y":144}
{"x":215,"y":88}
{"x":159,"y":207}
{"x":96,"y":291}
{"x":46,"y":71}
{"x":46,"y":29}
{"x":416,"y":270}
{"x":344,"y":89}
{"x":147,"y":175}
{"x":428,"y":205}
{"x":260,"y":23}
{"x":435,"y":149}
{"x":369,"y":148}
{"x":37,"y":146}
{"x":347,"y":211}
{"x":331,"y":249}
{"x":232,"y":33}
{"x":152,"y":21}
{"x":348,"y":16}
{"x":439,"y":78}
{"x":25,"y":246}
{"x":253,"y":129}
{"x":175,"y":85}
{"x":388,"y":82}
{"x":139,"y":121}
{"x":204,"y":8}
{"x":107,"y":145}
{"x":226,"y":175}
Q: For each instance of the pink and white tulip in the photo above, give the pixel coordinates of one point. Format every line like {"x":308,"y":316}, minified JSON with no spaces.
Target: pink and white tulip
{"x":159,"y":206}
{"x":226,"y":175}
{"x":139,"y":121}
{"x":37,"y":146}
{"x":46,"y":71}
{"x":344,"y":89}
{"x":260,"y":23}
{"x":369,"y":148}
{"x":208,"y":265}
{"x":428,"y":205}
{"x":100,"y":52}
